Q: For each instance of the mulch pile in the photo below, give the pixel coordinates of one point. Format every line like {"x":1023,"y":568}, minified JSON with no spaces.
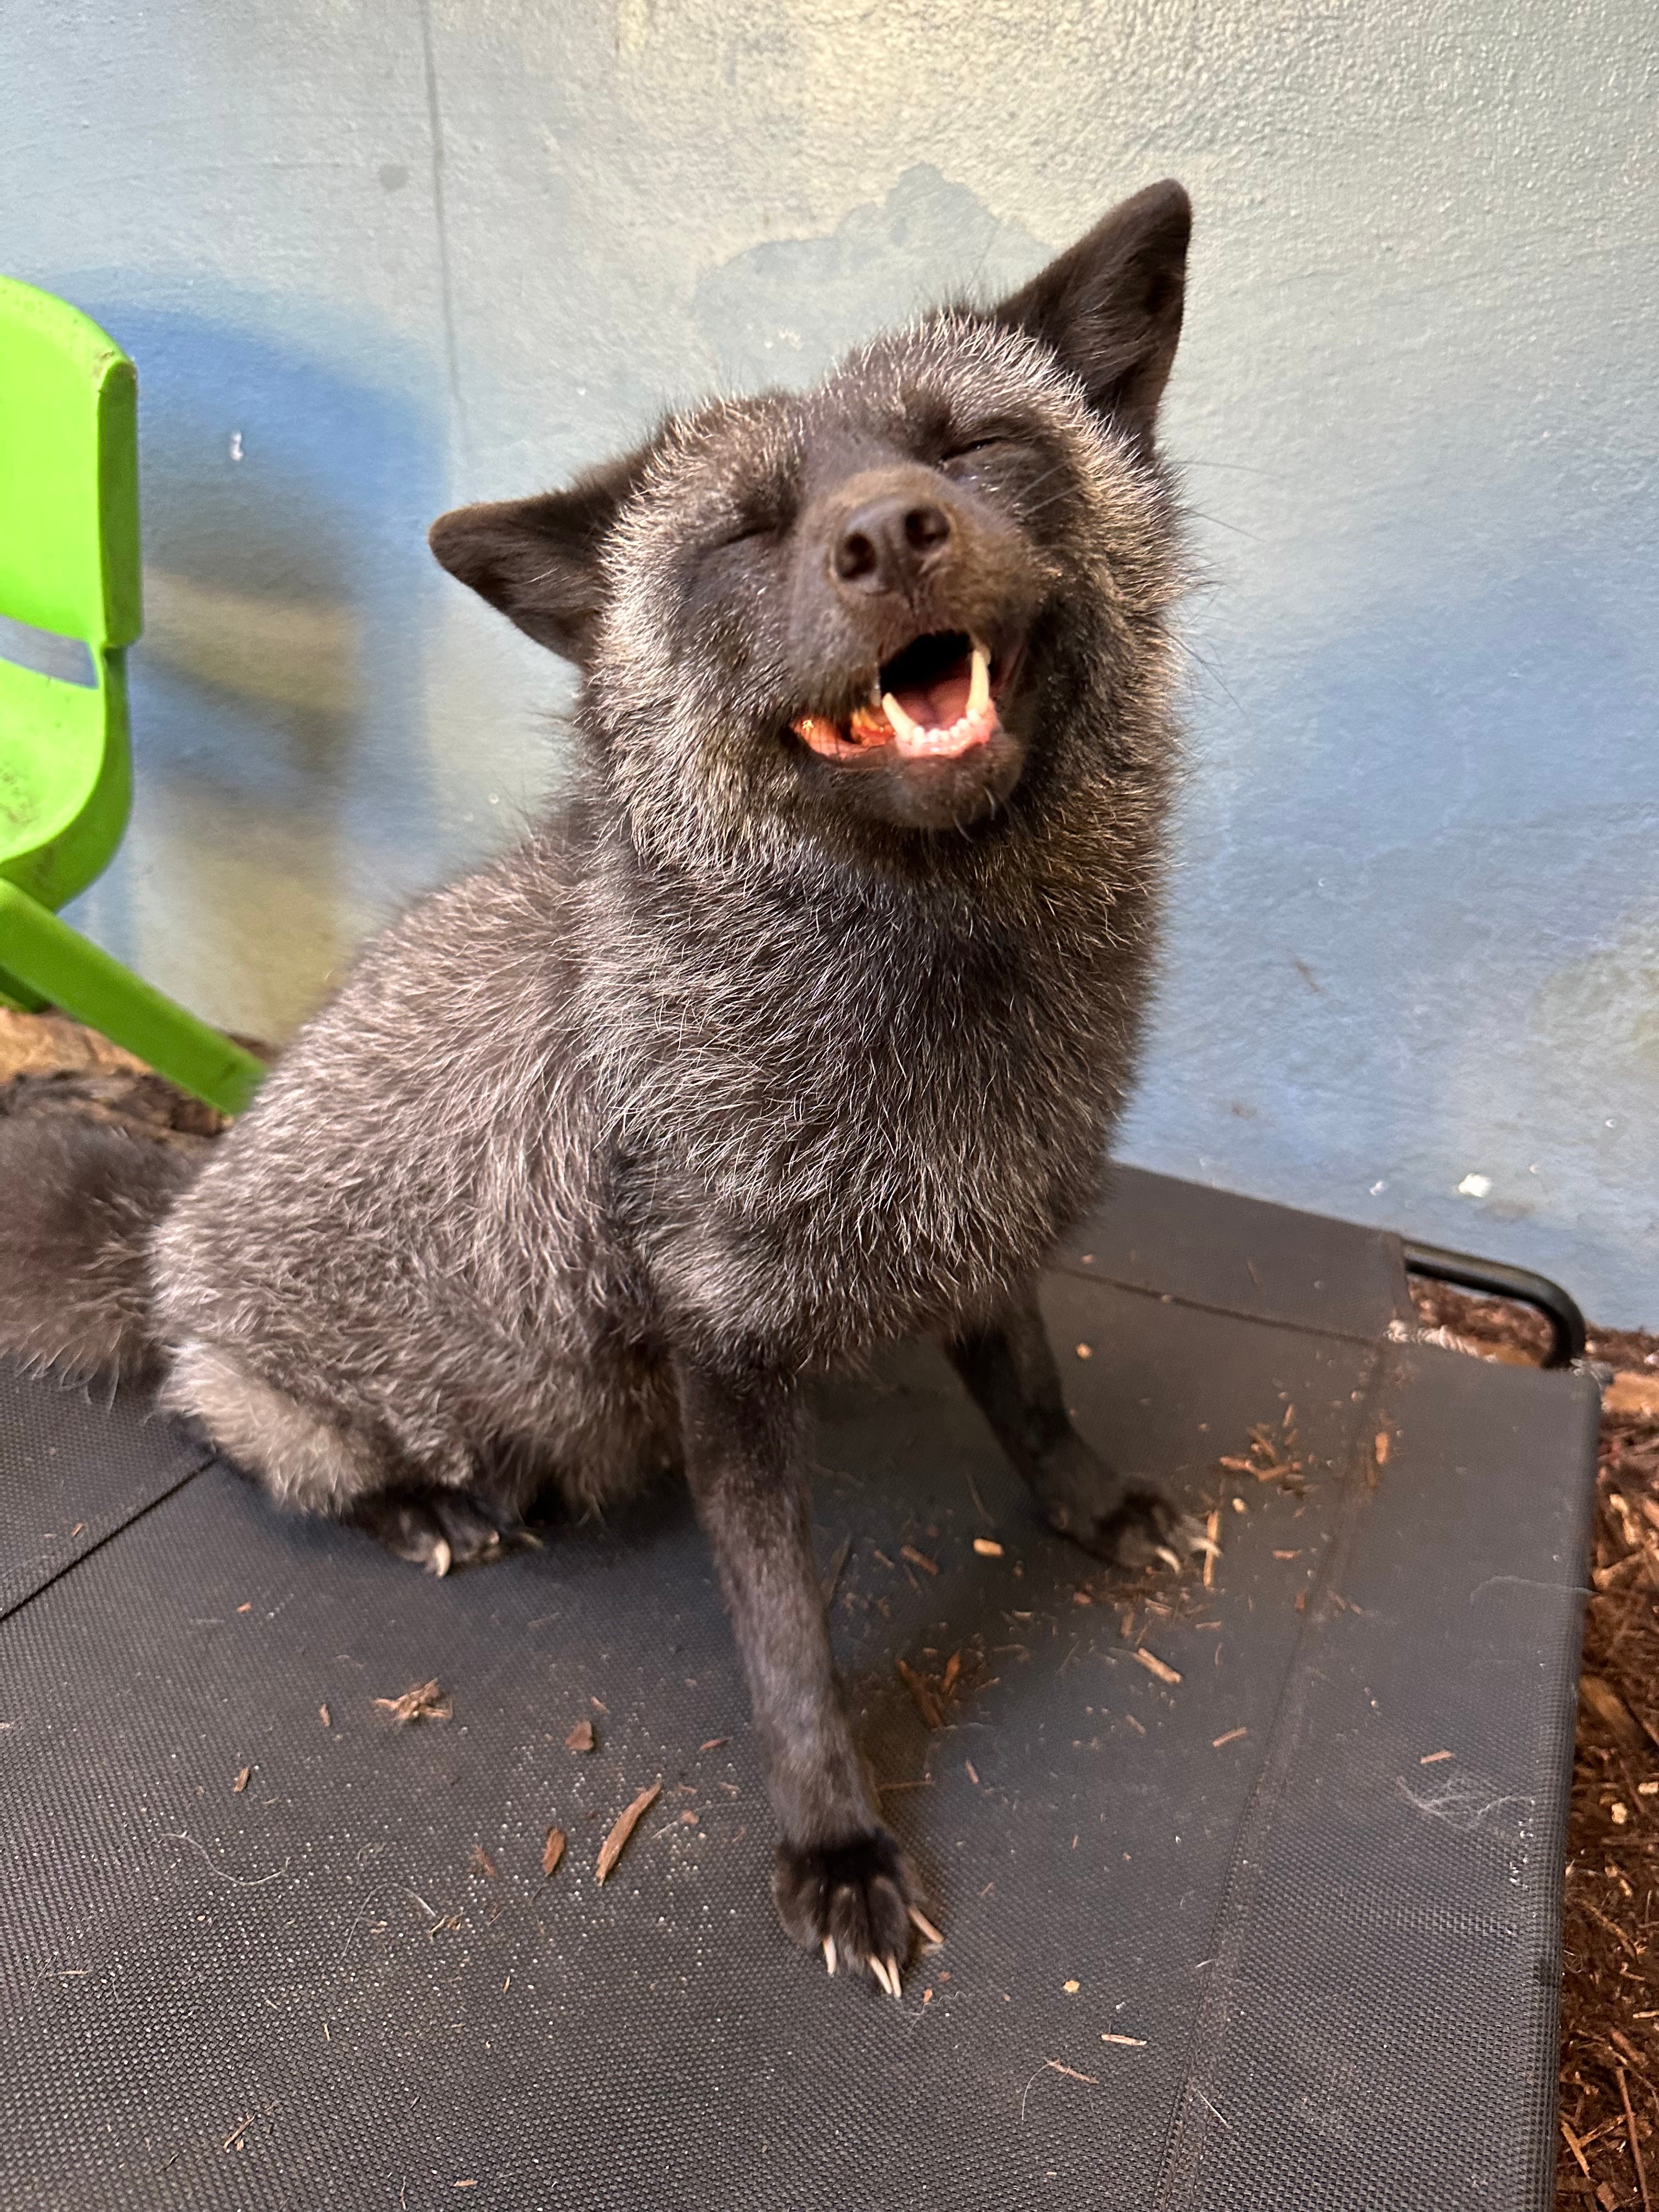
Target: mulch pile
{"x":1609,"y":2119}
{"x":50,"y":1065}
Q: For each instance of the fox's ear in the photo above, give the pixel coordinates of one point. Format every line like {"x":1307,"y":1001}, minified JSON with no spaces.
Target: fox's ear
{"x":540,"y":560}
{"x":1110,"y":306}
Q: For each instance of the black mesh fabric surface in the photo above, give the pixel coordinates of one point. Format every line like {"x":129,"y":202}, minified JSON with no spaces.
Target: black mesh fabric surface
{"x":1325,"y":1956}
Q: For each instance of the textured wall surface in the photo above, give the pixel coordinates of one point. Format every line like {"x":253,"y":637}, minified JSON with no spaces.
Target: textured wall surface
{"x":374,"y":258}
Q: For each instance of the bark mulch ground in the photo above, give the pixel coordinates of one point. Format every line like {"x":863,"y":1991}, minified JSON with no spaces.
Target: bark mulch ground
{"x":1609,"y":2117}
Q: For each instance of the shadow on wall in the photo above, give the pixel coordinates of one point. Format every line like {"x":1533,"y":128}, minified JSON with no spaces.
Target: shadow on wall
{"x":781,"y":311}
{"x":1422,"y":887}
{"x":282,"y":804}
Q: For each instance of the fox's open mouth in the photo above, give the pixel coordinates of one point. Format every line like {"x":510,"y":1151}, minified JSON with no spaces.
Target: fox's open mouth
{"x":934,"y":700}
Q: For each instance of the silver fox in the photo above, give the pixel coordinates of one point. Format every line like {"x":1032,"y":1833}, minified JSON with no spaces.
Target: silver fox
{"x":801,"y":1026}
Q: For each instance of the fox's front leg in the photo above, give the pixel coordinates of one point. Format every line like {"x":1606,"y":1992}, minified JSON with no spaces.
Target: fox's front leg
{"x":1010,"y":1372}
{"x":841,"y":1883}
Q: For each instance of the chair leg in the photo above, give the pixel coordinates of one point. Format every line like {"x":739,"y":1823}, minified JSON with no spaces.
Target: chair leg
{"x":15,"y":994}
{"x":48,"y":957}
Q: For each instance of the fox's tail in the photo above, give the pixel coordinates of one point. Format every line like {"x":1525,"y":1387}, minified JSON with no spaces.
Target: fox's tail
{"x":78,"y":1202}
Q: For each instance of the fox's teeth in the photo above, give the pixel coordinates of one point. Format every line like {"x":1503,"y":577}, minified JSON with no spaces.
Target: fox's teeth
{"x":979,"y":689}
{"x":903,"y":727}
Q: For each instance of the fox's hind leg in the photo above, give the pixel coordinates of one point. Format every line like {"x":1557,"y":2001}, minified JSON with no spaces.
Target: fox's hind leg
{"x":1010,"y":1375}
{"x":313,"y":1462}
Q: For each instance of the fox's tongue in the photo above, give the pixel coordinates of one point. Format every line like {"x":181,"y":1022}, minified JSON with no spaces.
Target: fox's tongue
{"x":935,"y":706}
{"x":942,"y":711}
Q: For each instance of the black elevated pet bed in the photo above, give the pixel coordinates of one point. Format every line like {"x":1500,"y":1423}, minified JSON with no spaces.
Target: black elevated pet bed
{"x":1281,"y":1932}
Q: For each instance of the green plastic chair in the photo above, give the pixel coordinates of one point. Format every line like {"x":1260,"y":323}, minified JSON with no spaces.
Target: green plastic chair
{"x":69,"y":608}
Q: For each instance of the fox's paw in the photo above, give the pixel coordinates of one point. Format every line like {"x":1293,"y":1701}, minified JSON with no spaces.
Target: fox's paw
{"x":438,"y":1528}
{"x":1122,"y":1522}
{"x":854,"y":1902}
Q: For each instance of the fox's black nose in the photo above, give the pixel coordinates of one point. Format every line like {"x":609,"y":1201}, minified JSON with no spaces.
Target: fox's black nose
{"x":885,"y":544}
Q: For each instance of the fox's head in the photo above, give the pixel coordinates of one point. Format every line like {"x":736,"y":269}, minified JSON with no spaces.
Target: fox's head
{"x":928,"y":595}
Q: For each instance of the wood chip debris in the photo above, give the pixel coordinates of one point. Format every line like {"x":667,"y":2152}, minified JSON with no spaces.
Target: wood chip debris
{"x":987,"y":1548}
{"x":1270,"y":1457}
{"x":481,"y":1862}
{"x":581,"y":1737}
{"x":426,"y":1701}
{"x":1154,"y":1665}
{"x":918,"y":1558}
{"x":1086,"y":1352}
{"x":926,"y":1703}
{"x":714,"y":1743}
{"x":1071,"y":2074}
{"x":611,"y":1849}
{"x":325,"y":1717}
{"x":1380,"y":1448}
{"x":1433,"y":1758}
{"x":242,"y":1781}
{"x":1211,"y":1546}
{"x":553,"y":1849}
{"x":1127,"y":2042}
{"x":1632,"y":1393}
{"x":1610,"y":1708}
{"x":1232,"y":1736}
{"x":1635,"y":2143}
{"x":1577,"y":2150}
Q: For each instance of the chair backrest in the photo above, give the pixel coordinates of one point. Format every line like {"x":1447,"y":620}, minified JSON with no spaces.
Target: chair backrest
{"x":69,"y":593}
{"x":69,"y":474}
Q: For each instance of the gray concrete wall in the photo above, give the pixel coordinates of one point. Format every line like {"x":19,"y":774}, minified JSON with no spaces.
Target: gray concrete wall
{"x":375,"y":257}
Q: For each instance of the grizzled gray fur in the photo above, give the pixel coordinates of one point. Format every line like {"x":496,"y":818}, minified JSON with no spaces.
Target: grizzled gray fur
{"x":802,"y":1025}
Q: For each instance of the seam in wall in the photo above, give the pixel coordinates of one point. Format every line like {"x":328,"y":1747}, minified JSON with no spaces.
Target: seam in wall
{"x":436,"y":127}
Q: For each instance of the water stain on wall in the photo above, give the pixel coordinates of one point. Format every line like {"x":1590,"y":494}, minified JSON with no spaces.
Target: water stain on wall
{"x":782,"y":311}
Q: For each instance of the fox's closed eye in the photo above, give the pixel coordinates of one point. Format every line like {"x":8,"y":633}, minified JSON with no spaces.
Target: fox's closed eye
{"x":745,"y":532}
{"x":980,"y":446}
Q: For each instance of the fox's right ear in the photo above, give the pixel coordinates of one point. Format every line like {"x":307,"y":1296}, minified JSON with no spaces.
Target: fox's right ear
{"x":1111,"y":305}
{"x":540,"y":560}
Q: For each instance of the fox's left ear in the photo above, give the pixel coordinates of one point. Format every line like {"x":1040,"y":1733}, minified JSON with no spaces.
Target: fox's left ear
{"x":540,"y":560}
{"x":1110,"y":306}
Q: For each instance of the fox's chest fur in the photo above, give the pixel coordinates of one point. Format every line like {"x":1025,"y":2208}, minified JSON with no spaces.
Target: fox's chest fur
{"x":848,"y":1113}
